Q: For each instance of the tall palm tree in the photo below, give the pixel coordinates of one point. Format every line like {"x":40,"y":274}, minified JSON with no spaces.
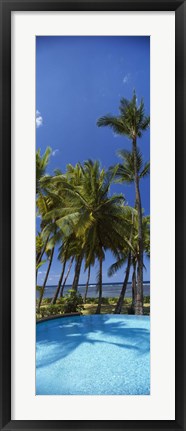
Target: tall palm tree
{"x":106,"y":218}
{"x":41,"y":202}
{"x":130,"y":255}
{"x":132,"y":122}
{"x":59,"y":190}
{"x":47,"y":202}
{"x":125,"y":174}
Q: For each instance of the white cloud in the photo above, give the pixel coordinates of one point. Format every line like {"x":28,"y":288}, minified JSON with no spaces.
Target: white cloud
{"x":126,"y":78}
{"x":54,"y":152}
{"x":39,"y":119}
{"x":115,"y":135}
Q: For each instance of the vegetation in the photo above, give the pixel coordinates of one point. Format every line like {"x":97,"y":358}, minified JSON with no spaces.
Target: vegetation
{"x":82,"y":220}
{"x":73,"y":302}
{"x":108,"y":306}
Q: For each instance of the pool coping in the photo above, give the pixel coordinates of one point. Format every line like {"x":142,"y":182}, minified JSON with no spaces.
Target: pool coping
{"x":57,"y":316}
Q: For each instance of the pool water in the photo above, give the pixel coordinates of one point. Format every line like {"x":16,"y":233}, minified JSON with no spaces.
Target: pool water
{"x":93,"y":355}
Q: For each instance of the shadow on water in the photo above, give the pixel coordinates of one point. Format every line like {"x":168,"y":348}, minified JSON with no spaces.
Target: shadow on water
{"x":58,"y":338}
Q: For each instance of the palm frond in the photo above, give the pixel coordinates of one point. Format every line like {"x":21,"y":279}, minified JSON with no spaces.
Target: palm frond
{"x":116,"y":266}
{"x":145,"y":171}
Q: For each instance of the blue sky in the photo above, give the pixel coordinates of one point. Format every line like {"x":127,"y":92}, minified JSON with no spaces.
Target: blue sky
{"x":79,"y":79}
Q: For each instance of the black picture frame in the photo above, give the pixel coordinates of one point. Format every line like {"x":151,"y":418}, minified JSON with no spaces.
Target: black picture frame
{"x":6,"y":7}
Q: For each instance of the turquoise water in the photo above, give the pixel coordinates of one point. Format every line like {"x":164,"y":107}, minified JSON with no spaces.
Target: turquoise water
{"x":93,"y":355}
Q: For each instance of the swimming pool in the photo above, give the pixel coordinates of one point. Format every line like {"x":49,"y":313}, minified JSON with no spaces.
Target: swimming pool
{"x":93,"y":355}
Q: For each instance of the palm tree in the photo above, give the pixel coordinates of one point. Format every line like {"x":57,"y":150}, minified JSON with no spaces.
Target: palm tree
{"x":58,"y":189}
{"x":125,"y":174}
{"x":47,"y":202}
{"x":106,"y":218}
{"x":135,"y":254}
{"x":97,"y":221}
{"x":132,"y":122}
{"x":41,"y":202}
{"x":130,"y":255}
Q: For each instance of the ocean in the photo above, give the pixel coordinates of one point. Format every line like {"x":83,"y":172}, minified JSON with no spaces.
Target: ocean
{"x":109,"y":290}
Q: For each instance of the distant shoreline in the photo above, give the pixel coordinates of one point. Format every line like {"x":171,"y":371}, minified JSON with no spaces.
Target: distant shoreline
{"x":110,"y":290}
{"x":103,"y":284}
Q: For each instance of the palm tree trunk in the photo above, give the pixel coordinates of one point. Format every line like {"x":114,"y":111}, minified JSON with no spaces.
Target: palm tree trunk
{"x":124,"y":287}
{"x":98,"y":310}
{"x":46,"y":278}
{"x":86,"y":289}
{"x":66,"y":276}
{"x":59,"y":283}
{"x":133,"y":287}
{"x":139,"y":290}
{"x":40,"y":255}
{"x":77,"y":272}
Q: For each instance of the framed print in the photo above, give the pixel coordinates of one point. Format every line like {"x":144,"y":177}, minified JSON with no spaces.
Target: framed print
{"x":92,"y":215}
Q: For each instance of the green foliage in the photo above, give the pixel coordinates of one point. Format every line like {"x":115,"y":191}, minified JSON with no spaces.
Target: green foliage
{"x":38,"y":288}
{"x":127,"y":301}
{"x":73,"y":302}
{"x":39,"y":243}
{"x":92,"y":300}
{"x":46,"y":301}
{"x":131,"y":121}
{"x":50,"y":310}
{"x":112,"y":301}
{"x":125,"y":172}
{"x":40,"y":264}
{"x":106,"y":301}
{"x":146,"y":299}
{"x":41,"y":164}
{"x":60,"y":300}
